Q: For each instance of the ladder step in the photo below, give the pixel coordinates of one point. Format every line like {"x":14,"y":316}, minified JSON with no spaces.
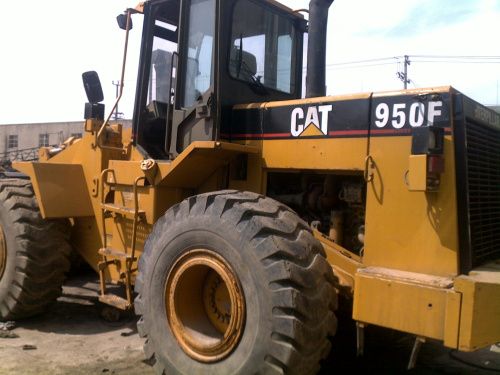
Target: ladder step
{"x":115,"y":301}
{"x":121,"y":210}
{"x":109,"y":252}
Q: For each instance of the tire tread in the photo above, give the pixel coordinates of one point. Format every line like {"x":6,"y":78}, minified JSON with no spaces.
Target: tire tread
{"x":42,"y":254}
{"x":300,"y":279}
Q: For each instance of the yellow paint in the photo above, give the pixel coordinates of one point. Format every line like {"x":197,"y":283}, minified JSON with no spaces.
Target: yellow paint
{"x":326,"y":154}
{"x":86,"y":239}
{"x":480,"y":314}
{"x":406,"y":302}
{"x":198,"y":162}
{"x":417,"y":91}
{"x":53,"y":182}
{"x":311,"y":131}
{"x":344,"y":263}
{"x":410,"y":230}
{"x":452,"y":320}
{"x":124,"y":172}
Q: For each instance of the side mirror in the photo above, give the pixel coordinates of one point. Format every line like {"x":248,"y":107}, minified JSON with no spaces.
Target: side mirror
{"x":93,"y":87}
{"x":122,"y":22}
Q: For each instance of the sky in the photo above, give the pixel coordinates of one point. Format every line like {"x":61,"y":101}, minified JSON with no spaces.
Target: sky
{"x":47,"y":45}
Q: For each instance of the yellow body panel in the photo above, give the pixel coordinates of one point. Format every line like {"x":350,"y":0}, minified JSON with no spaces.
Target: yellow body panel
{"x":199,"y":161}
{"x":480,"y":314}
{"x":53,"y":182}
{"x":408,"y":302}
{"x":410,"y":230}
{"x":344,"y":263}
{"x":452,"y":320}
{"x":317,"y":154}
{"x":463,"y":312}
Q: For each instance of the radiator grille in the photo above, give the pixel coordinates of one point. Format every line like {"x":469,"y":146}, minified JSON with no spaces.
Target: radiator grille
{"x":483,"y":177}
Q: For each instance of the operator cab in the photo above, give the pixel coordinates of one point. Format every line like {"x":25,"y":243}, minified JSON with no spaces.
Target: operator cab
{"x":201,"y":57}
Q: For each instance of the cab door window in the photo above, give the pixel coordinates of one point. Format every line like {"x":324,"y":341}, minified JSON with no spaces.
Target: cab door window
{"x":161,"y":64}
{"x":198,"y":72}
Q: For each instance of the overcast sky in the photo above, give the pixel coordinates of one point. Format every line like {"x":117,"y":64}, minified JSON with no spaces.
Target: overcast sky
{"x":46,"y":45}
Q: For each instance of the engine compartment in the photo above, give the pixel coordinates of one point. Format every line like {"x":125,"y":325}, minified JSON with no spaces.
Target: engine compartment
{"x":332,"y":203}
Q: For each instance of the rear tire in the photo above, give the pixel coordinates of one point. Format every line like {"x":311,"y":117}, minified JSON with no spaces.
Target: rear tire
{"x":33,"y":253}
{"x":279,"y":271}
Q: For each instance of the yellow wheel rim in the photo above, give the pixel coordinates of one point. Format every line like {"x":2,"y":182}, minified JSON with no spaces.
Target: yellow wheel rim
{"x":205,"y":305}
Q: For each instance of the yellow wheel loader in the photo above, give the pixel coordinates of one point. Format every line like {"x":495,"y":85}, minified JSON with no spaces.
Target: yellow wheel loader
{"x":234,"y":212}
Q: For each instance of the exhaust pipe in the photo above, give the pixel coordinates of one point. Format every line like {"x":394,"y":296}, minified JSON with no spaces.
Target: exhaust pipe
{"x":316,"y":50}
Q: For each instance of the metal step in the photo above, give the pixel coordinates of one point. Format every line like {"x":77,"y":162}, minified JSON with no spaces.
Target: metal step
{"x":115,"y":301}
{"x":121,"y":210}
{"x":113,"y":253}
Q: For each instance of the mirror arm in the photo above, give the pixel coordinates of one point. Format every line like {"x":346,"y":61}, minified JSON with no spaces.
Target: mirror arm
{"x":98,"y":136}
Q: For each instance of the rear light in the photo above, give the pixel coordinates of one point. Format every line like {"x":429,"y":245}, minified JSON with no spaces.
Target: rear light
{"x":426,"y":163}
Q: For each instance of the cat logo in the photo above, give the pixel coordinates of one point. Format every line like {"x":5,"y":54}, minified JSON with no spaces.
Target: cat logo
{"x":315,"y":123}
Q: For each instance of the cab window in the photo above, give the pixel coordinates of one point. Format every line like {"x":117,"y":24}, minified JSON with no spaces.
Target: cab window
{"x":198,"y":71}
{"x":262,"y":47}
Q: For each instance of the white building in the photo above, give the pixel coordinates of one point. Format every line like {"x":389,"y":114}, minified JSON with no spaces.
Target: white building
{"x":21,"y":141}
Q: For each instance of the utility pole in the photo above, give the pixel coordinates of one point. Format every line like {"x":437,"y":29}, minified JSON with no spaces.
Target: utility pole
{"x":117,"y":85}
{"x":403,"y":76}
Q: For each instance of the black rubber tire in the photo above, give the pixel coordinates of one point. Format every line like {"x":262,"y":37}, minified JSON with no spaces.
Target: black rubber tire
{"x":37,"y":253}
{"x":287,"y":283}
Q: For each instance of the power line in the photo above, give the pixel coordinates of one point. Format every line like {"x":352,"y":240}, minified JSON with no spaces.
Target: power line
{"x":363,"y":61}
{"x":402,"y":72}
{"x":457,"y":57}
{"x":457,"y":61}
{"x":355,"y":66}
{"x":485,"y":59}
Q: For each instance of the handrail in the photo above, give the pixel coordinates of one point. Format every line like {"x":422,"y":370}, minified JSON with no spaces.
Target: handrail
{"x":104,"y":175}
{"x":136,"y":214}
{"x":171,"y":103}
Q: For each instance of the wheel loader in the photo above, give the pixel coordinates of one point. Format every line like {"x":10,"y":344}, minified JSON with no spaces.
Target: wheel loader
{"x":234,"y":212}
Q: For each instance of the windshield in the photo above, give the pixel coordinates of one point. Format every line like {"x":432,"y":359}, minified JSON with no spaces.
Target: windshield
{"x":262,"y":47}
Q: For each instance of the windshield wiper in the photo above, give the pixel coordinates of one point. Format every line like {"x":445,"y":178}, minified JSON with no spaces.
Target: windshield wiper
{"x":253,"y":80}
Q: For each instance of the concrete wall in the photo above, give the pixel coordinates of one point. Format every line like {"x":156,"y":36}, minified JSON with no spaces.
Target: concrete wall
{"x":28,"y":135}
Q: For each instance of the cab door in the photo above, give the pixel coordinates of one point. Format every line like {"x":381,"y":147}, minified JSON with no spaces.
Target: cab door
{"x":154,"y":80}
{"x":193,"y":118}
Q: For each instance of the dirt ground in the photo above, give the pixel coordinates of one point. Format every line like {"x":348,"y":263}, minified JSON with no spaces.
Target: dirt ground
{"x":74,"y":338}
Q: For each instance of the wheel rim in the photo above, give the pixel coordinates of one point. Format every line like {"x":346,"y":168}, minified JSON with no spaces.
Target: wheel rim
{"x":3,"y":252}
{"x":205,"y":305}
